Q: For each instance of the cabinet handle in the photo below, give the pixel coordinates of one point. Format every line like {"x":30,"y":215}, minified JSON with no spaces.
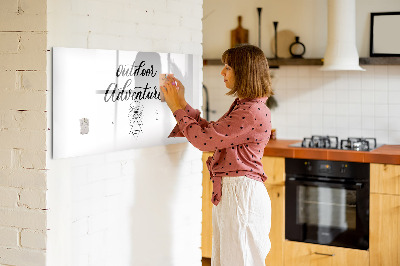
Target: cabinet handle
{"x":325,"y":254}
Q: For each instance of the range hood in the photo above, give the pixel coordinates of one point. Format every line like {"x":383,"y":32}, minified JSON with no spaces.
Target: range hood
{"x":341,"y":51}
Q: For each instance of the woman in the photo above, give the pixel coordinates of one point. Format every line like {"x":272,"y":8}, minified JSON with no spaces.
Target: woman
{"x":241,"y":213}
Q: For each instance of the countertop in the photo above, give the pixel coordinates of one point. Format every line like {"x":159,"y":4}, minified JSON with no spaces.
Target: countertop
{"x":389,"y":154}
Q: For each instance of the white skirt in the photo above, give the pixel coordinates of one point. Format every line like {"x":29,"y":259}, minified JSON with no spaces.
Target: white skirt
{"x":241,"y":223}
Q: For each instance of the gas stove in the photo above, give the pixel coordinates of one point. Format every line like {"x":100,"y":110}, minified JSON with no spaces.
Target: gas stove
{"x":332,"y":142}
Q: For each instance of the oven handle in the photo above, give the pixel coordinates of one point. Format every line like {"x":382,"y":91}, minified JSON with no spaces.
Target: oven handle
{"x":325,"y":254}
{"x":357,"y":185}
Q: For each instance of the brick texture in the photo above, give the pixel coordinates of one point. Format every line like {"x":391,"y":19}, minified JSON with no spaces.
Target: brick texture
{"x":33,"y":239}
{"x":23,"y":218}
{"x":17,"y":139}
{"x":23,"y":126}
{"x":33,"y":199}
{"x":8,"y":197}
{"x":17,"y":256}
{"x":8,"y":80}
{"x":32,"y":120}
{"x":9,"y":237}
{"x":8,"y":6}
{"x":23,"y":178}
{"x":103,"y":191}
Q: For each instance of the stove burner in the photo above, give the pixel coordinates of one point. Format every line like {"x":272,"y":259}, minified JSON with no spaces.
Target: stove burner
{"x":358,"y":144}
{"x":332,"y":142}
{"x":328,"y":142}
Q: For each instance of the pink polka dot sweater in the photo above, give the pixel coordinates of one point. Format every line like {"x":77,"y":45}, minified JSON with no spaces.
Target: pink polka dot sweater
{"x":238,"y":139}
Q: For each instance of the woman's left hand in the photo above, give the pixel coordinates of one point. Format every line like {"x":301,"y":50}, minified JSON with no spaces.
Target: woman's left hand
{"x":171,"y":95}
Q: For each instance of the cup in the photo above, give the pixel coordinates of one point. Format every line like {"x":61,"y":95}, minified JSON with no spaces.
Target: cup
{"x":163,"y":80}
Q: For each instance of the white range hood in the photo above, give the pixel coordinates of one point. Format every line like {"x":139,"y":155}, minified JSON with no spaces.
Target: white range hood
{"x":341,"y":51}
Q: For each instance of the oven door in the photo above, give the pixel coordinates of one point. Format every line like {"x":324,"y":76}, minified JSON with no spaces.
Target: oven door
{"x":327,"y":213}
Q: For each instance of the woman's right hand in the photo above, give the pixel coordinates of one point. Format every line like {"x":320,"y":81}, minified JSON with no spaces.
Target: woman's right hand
{"x":181,"y":92}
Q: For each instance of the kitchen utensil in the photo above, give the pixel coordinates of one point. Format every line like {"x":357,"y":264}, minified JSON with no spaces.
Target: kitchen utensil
{"x":239,"y":35}
{"x":259,"y":9}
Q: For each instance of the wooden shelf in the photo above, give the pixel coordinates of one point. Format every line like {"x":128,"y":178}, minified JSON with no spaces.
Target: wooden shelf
{"x":295,"y":62}
{"x":273,"y":63}
{"x":380,"y":61}
{"x":212,"y":62}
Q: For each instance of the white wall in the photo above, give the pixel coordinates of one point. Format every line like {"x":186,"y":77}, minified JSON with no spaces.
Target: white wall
{"x":311,"y":102}
{"x":305,"y":18}
{"x":134,"y":207}
{"x":23,"y":132}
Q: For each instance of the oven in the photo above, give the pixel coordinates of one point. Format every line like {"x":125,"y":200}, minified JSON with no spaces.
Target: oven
{"x":327,"y":202}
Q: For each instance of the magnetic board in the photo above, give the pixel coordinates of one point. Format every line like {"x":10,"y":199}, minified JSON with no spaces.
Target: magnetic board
{"x":109,"y":100}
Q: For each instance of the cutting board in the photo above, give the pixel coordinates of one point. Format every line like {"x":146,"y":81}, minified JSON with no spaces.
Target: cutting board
{"x":239,"y":35}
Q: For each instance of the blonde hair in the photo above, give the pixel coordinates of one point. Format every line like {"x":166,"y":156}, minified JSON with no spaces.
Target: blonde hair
{"x":250,"y":66}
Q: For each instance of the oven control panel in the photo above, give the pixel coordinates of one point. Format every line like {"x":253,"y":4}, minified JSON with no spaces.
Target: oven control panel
{"x":338,"y":169}
{"x":325,"y":167}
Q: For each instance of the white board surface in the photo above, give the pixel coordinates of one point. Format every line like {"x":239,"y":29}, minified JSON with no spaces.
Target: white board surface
{"x":108,"y":100}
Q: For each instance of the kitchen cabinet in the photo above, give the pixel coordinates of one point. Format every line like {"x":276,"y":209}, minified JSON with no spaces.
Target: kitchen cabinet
{"x":206,"y":225}
{"x":277,"y":233}
{"x":306,"y":254}
{"x":385,"y":178}
{"x":274,"y":168}
{"x":384,"y":229}
{"x":384,"y":247}
{"x":385,"y":214}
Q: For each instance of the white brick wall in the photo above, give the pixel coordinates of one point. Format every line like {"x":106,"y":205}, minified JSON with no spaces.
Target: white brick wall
{"x":9,"y":237}
{"x":134,"y":207}
{"x":23,"y":218}
{"x":9,"y":197}
{"x":33,"y":239}
{"x":98,"y":199}
{"x":23,"y":178}
{"x":11,"y":256}
{"x":23,"y":128}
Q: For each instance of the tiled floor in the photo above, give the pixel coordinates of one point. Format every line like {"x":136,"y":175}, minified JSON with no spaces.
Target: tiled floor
{"x":206,"y":261}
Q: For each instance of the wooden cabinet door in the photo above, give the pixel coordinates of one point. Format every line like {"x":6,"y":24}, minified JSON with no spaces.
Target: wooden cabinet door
{"x":206,"y":232}
{"x":277,"y":233}
{"x":384,"y":236}
{"x":274,"y":168}
{"x":305,"y":254}
{"x":385,"y":178}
